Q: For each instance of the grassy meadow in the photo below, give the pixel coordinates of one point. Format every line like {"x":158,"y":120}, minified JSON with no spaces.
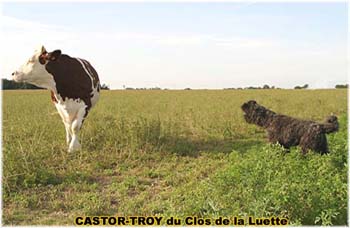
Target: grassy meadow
{"x":170,"y":153}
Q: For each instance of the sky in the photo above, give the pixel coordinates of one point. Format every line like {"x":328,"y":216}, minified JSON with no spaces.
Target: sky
{"x":179,"y":45}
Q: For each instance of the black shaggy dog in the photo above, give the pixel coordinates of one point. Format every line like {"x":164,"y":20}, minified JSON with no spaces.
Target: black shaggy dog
{"x":289,"y":131}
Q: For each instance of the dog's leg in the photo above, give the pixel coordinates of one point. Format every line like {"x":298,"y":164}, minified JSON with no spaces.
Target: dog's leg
{"x":306,"y":142}
{"x":314,"y":140}
{"x":271,"y":135}
{"x":322,"y":145}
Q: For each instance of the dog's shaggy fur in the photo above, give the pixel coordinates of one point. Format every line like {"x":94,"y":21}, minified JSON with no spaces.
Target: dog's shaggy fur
{"x":289,"y":131}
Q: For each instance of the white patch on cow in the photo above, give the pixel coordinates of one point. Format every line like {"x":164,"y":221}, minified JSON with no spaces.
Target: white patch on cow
{"x":72,"y":113}
{"x":95,"y":93}
{"x":95,"y":96}
{"x":88,"y":72}
{"x":86,"y":63}
{"x":35,"y":73}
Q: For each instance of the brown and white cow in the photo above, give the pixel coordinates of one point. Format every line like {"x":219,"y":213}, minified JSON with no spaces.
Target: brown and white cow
{"x":74,"y":86}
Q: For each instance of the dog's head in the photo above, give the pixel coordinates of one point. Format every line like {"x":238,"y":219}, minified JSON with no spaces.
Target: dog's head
{"x":332,"y":119}
{"x":331,"y":124}
{"x":256,"y":114}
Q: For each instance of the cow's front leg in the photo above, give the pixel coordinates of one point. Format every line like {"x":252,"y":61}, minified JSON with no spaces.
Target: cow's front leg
{"x":66,"y":121}
{"x":75,"y":128}
{"x":68,"y":133}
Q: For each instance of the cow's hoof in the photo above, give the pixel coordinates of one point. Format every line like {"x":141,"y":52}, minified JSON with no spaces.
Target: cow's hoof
{"x":74,"y":146}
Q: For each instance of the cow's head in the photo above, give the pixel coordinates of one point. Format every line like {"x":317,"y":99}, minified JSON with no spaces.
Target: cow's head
{"x":33,"y":71}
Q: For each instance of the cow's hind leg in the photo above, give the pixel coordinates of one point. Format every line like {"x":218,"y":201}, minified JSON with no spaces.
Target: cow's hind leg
{"x":75,"y":128}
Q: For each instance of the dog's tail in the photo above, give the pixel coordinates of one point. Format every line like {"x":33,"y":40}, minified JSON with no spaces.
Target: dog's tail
{"x":331,"y":124}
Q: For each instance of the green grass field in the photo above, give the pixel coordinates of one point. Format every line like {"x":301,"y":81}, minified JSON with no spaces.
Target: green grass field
{"x":170,"y":153}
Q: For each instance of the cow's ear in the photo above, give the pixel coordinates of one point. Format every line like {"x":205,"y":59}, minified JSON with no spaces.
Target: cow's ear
{"x":43,"y":57}
{"x":53,"y":56}
{"x":43,"y":50}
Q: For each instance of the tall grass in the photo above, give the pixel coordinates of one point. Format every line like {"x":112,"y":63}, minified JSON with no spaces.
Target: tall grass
{"x":172,"y":153}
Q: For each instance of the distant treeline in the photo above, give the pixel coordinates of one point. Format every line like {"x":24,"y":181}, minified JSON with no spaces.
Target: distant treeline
{"x":104,"y":87}
{"x":269,"y":87}
{"x":273,"y":87}
{"x":153,"y":88}
{"x":253,"y":87}
{"x":10,"y":84}
{"x":342,"y":86}
{"x":302,"y":87}
{"x":306,"y":86}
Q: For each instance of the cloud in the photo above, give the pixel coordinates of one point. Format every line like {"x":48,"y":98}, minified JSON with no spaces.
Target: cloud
{"x":187,"y":39}
{"x":18,"y":30}
{"x":16,"y":23}
{"x":15,"y":29}
{"x":19,"y":38}
{"x":178,"y":60}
